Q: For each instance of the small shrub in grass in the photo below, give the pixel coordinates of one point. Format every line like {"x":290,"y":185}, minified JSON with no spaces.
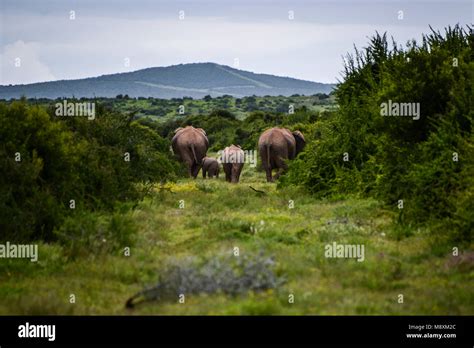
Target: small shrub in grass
{"x":229,"y":229}
{"x":340,"y":229}
{"x":227,"y":274}
{"x":464,"y":262}
{"x":283,"y":237}
{"x":400,"y":230}
{"x":260,"y":307}
{"x":205,"y":187}
{"x":90,"y":233}
{"x":42,"y":304}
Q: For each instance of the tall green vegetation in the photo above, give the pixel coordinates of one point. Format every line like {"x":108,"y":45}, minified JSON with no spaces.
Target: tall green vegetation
{"x":46,"y":161}
{"x":428,"y":163}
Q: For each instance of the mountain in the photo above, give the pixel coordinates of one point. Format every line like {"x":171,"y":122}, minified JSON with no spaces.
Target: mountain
{"x":192,"y":80}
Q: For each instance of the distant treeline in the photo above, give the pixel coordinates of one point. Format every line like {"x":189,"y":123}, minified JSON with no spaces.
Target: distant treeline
{"x":165,"y":109}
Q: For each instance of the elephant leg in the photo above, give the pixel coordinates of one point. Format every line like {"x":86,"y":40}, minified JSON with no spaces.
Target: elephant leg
{"x":236,"y":170}
{"x":195,"y":170}
{"x":234,"y":178}
{"x":227,"y":171}
{"x":204,"y":173}
{"x":268,"y":171}
{"x":188,"y":162}
{"x":198,"y":168}
{"x":282,"y":167}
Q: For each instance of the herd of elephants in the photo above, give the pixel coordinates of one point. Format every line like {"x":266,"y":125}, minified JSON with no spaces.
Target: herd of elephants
{"x":275,"y":147}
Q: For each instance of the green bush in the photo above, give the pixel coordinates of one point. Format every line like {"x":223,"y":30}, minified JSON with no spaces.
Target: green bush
{"x":398,"y":158}
{"x":86,"y":233}
{"x":71,"y":158}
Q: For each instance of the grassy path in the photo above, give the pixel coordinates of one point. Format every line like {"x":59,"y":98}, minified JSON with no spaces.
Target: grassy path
{"x":216,"y":218}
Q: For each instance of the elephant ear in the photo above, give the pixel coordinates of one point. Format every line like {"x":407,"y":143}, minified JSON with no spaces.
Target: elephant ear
{"x":202,"y":131}
{"x":300,"y":141}
{"x":177,"y":130}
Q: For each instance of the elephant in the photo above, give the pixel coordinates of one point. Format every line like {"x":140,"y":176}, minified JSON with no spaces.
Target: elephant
{"x":211,"y":167}
{"x":232,"y":159}
{"x":276,"y":146}
{"x":190,"y":146}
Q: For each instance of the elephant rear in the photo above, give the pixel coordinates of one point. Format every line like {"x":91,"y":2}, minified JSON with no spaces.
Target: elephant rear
{"x":233,"y":159}
{"x":276,"y":146}
{"x":190,"y":145}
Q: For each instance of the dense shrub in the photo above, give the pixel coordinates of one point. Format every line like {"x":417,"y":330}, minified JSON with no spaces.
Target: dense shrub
{"x":71,"y":158}
{"x":399,"y":158}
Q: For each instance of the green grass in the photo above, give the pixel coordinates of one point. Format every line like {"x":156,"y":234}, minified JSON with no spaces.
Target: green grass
{"x":218,"y":217}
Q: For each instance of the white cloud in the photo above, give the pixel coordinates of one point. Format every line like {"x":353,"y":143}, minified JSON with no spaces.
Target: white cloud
{"x":20,"y":64}
{"x":94,"y":46}
{"x":100,"y":39}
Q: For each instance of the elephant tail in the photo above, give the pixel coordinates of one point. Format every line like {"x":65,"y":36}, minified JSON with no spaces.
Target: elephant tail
{"x":267,"y":146}
{"x":194,"y":154}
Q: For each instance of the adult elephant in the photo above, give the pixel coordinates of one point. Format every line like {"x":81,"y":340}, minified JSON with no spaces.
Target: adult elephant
{"x":232,"y":159}
{"x":190,"y":146}
{"x":276,"y":146}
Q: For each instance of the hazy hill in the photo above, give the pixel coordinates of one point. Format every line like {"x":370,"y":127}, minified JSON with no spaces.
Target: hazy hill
{"x":192,"y":80}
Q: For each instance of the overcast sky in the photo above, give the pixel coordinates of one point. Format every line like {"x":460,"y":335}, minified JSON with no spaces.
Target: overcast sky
{"x":116,"y":36}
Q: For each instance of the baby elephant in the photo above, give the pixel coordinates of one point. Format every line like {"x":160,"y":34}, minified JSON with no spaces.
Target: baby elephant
{"x":211,"y":167}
